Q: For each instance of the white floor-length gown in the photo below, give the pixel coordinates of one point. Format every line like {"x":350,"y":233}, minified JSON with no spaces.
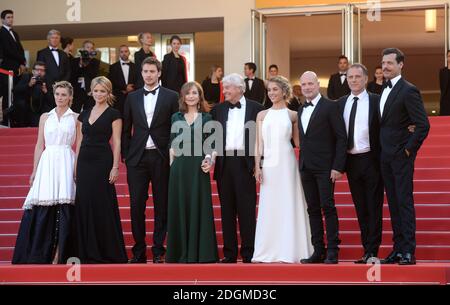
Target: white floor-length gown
{"x":282,"y":229}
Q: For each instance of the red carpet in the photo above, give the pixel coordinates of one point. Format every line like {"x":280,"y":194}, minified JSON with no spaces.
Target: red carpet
{"x":432,"y":201}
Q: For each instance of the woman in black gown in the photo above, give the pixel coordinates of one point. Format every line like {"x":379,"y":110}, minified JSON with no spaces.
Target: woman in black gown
{"x":376,"y":86}
{"x":212,"y":86}
{"x":97,"y":229}
{"x":174,"y":67}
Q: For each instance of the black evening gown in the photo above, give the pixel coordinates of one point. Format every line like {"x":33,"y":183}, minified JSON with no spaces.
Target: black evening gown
{"x":98,"y":235}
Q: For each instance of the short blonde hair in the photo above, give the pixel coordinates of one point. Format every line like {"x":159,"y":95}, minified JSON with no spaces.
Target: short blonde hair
{"x":106,"y":83}
{"x":65,"y":85}
{"x":284,"y":85}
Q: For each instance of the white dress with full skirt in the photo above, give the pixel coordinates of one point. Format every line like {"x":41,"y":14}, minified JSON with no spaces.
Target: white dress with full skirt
{"x":282,"y":231}
{"x":53,"y":183}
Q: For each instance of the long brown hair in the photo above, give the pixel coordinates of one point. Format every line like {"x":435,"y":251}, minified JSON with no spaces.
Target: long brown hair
{"x":202,"y":104}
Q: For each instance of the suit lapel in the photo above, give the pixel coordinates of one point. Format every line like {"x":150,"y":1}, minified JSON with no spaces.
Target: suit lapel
{"x":372,"y":105}
{"x":314,"y":114}
{"x":391,"y":98}
{"x":122,"y":77}
{"x":300,"y":111}
{"x":141,"y":107}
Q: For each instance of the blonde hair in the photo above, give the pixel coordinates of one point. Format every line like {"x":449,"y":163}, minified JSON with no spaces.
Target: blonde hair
{"x":106,"y":83}
{"x":65,"y":85}
{"x":284,"y":85}
{"x":202,"y":103}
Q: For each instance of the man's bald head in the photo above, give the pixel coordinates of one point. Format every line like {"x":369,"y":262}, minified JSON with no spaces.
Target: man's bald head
{"x":310,"y":85}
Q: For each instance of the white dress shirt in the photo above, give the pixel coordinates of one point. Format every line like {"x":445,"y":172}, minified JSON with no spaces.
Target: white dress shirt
{"x":361,"y":137}
{"x":125,"y":70}
{"x":149,"y":106}
{"x":385,"y":93}
{"x":235,"y":127}
{"x":55,"y":55}
{"x":10,"y":32}
{"x":250,"y":83}
{"x":307,"y":112}
{"x":342,"y":76}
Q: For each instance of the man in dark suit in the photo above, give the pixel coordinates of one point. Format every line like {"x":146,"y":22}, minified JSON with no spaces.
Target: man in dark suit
{"x":400,"y":106}
{"x":30,"y":97}
{"x":323,"y":143}
{"x":122,"y":75}
{"x":255,"y":88}
{"x":56,"y":62}
{"x":338,"y":85}
{"x":12,"y":56}
{"x":295,"y":102}
{"x":234,"y":169}
{"x":360,"y":112}
{"x":145,"y":148}
{"x":84,"y":69}
{"x":146,"y":41}
{"x":444,"y":82}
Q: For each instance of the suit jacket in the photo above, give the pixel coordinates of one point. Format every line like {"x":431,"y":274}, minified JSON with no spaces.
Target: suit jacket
{"x":89,"y":72}
{"x":336,"y":89}
{"x":11,"y":51}
{"x":324,"y":145}
{"x":33,"y":96}
{"x":118,"y":81}
{"x":404,"y":107}
{"x":374,"y":122}
{"x":139,"y":57}
{"x":258,"y":91}
{"x":172,"y":75}
{"x":135,"y":127}
{"x":54,"y":73}
{"x":220,"y":113}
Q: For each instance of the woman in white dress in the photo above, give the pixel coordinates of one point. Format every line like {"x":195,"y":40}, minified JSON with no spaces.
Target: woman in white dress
{"x":45,"y":226}
{"x":282,"y":228}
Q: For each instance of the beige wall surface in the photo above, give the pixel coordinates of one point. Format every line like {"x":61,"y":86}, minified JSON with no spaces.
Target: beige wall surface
{"x":236,"y":14}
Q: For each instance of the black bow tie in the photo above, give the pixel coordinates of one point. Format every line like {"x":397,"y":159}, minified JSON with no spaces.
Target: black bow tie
{"x":152,"y":91}
{"x":306,"y":104}
{"x":237,"y":105}
{"x":387,"y":83}
{"x":342,"y":74}
{"x":125,"y":63}
{"x":54,"y":50}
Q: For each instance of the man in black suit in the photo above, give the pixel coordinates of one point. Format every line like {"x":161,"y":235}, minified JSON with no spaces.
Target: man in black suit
{"x":360,"y":112}
{"x":323,"y":143}
{"x":146,"y":41}
{"x":295,"y":102}
{"x":338,"y":85}
{"x":12,"y":56}
{"x":145,"y":148}
{"x":444,"y":82}
{"x":122,"y":75}
{"x":255,"y":88}
{"x":400,"y":106}
{"x":84,"y":69}
{"x":56,"y":62}
{"x":30,"y":97}
{"x":234,"y":169}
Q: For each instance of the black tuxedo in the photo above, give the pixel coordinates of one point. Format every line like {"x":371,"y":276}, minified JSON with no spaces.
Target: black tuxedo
{"x":258,"y":91}
{"x":89,"y":72}
{"x":404,"y":107}
{"x":12,"y":56}
{"x":322,"y":148}
{"x":53,"y":72}
{"x":145,"y":165}
{"x":444,"y":82}
{"x":366,"y":184}
{"x":237,"y":185}
{"x":119,"y":85}
{"x":336,"y":89}
{"x":173,"y":74}
{"x":139,"y":57}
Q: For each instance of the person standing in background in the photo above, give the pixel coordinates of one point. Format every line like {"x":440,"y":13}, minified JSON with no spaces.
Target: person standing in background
{"x":376,"y":86}
{"x":338,"y":85}
{"x":212,"y":86}
{"x":174,"y":67}
{"x":146,"y":41}
{"x":255,"y":88}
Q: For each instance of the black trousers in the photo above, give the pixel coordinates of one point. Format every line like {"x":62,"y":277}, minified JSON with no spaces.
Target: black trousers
{"x":366,"y":186}
{"x":398,"y":182}
{"x":237,"y":193}
{"x":155,"y":169}
{"x":319,"y":194}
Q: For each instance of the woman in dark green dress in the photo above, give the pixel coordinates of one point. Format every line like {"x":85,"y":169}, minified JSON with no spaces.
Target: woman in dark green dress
{"x":191,"y":236}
